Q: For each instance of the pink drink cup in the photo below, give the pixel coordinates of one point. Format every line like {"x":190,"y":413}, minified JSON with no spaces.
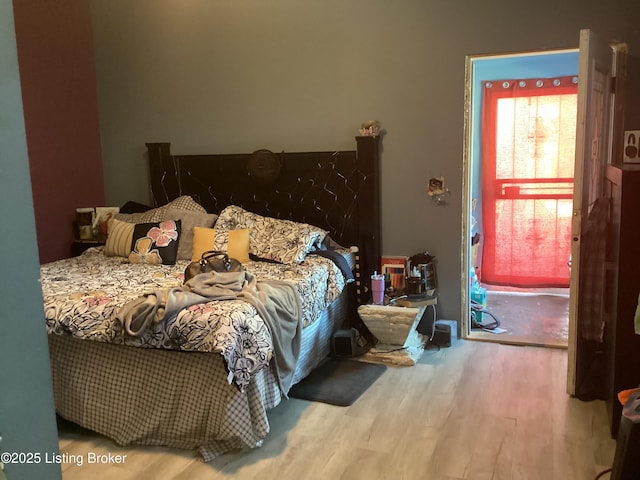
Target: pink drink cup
{"x":377,"y":289}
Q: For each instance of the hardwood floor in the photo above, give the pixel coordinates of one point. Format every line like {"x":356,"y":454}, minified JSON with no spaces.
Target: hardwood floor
{"x":475,"y":411}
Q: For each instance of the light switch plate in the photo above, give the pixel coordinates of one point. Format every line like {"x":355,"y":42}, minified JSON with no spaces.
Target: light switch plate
{"x":631,"y":148}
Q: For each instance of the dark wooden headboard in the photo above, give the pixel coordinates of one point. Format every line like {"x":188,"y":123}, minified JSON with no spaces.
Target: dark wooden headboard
{"x":338,"y":191}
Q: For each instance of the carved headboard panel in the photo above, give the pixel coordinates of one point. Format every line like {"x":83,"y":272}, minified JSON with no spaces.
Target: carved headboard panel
{"x":337,"y":191}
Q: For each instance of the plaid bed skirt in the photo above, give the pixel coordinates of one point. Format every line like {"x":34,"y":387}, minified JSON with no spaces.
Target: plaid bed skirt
{"x":143,"y":396}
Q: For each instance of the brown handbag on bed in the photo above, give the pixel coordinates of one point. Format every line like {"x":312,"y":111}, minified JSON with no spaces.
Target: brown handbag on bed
{"x":212,"y":261}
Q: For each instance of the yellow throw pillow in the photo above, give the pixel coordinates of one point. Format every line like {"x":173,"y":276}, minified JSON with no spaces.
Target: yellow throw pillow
{"x":238,"y":244}
{"x":202,"y":241}
{"x":119,"y":238}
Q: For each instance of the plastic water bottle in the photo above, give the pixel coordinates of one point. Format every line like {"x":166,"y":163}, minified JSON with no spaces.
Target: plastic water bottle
{"x":473,"y":279}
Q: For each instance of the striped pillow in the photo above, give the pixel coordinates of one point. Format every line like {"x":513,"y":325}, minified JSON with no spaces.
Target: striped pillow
{"x":119,"y":238}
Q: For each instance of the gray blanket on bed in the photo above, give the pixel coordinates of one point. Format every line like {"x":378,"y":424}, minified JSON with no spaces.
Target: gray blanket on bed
{"x":276,"y":302}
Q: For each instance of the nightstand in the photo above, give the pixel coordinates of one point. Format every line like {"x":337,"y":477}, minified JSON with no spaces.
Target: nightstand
{"x":400,"y":343}
{"x":79,"y":246}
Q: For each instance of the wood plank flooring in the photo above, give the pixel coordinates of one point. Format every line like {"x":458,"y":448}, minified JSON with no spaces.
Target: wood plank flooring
{"x":475,"y":411}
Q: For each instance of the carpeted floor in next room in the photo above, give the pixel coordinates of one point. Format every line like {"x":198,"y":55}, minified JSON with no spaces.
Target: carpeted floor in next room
{"x":530,"y":317}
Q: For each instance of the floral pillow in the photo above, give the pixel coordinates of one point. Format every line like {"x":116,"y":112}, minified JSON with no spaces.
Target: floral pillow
{"x":283,"y":240}
{"x":155,"y":243}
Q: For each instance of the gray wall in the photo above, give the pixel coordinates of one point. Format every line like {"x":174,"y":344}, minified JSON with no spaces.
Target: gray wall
{"x":228,"y":76}
{"x":27,"y":419}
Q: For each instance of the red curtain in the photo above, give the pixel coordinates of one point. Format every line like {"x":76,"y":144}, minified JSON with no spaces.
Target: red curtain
{"x":528,"y":149}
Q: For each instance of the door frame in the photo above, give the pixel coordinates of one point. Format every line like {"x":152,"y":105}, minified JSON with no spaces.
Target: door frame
{"x":467,"y":175}
{"x":616,"y":138}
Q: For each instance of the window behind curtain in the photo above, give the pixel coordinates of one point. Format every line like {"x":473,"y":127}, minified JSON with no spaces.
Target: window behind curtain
{"x":528,"y":146}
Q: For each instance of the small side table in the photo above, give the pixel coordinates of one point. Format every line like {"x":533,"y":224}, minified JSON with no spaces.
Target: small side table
{"x":396,"y":331}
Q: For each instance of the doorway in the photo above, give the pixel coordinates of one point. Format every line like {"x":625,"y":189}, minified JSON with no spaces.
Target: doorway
{"x":520,"y":196}
{"x":599,"y":145}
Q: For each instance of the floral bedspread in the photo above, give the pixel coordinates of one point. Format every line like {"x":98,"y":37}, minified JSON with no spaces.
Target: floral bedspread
{"x":83,"y":294}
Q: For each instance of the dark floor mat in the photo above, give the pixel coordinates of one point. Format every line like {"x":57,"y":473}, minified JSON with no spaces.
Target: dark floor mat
{"x":338,"y":381}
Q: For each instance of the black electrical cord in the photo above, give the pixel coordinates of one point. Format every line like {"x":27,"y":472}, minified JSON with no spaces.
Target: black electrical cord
{"x":379,"y":352}
{"x":603,"y":473}
{"x":477,"y":307}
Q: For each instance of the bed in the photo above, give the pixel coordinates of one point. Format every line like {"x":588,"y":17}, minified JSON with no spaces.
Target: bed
{"x":205,"y":377}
